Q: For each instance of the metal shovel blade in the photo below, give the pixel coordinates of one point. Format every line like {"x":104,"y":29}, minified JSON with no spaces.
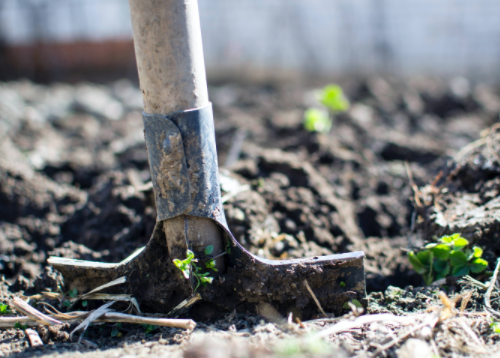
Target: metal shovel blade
{"x":184,"y":171}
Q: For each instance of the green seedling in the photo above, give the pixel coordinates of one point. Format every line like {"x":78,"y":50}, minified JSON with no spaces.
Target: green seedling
{"x":342,"y":284}
{"x":495,"y":326}
{"x":66,"y":303}
{"x":116,"y":331}
{"x":185,"y":265}
{"x":148,"y":328}
{"x":85,"y":303}
{"x":5,"y":309}
{"x":228,"y":248}
{"x":188,"y":266}
{"x":20,"y":326}
{"x":209,"y":249}
{"x":317,"y":120}
{"x":448,"y":255}
{"x":73,"y":293}
{"x":333,"y":98}
{"x":355,"y":302}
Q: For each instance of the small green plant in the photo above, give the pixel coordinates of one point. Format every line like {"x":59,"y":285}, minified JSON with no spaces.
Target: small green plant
{"x":148,"y":328}
{"x":333,"y":100}
{"x":449,"y":254}
{"x":342,"y":284}
{"x":355,"y":302}
{"x":85,"y":303}
{"x":495,"y":326}
{"x":73,"y":293}
{"x":5,"y":309}
{"x":116,"y":331}
{"x":189,"y":265}
{"x":20,"y":326}
{"x":333,"y":97}
{"x":228,"y":248}
{"x":316,"y":120}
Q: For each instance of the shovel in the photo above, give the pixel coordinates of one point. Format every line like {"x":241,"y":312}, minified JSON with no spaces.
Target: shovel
{"x":192,"y":255}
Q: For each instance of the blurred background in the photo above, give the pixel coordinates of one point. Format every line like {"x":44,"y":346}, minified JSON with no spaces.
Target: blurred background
{"x":70,"y":40}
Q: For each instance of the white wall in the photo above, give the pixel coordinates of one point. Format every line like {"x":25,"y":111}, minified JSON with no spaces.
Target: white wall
{"x":404,"y":37}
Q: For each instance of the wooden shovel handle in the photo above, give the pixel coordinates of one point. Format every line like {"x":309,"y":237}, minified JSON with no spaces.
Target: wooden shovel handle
{"x":169,"y":53}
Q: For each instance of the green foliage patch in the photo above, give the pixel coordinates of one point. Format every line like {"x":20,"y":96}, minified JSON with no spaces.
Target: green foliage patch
{"x":189,"y":265}
{"x":449,"y":255}
{"x":332,"y":99}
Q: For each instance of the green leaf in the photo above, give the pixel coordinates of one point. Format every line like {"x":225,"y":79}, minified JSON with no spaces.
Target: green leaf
{"x":4,"y":308}
{"x":205,"y":280}
{"x":416,"y":263}
{"x":210,"y":264}
{"x":114,"y":332}
{"x":441,"y":266}
{"x":189,"y":258}
{"x":441,"y":251}
{"x":460,"y":270}
{"x":425,"y":257}
{"x":85,"y":303}
{"x":458,"y":258}
{"x":209,"y":249}
{"x":20,"y":326}
{"x":446,"y":239}
{"x":342,"y":284}
{"x":316,"y":120}
{"x":495,"y":326}
{"x":66,"y":303}
{"x":332,"y":97}
{"x":355,"y":302}
{"x":73,"y":293}
{"x":459,"y":243}
{"x":478,"y":265}
{"x":477,"y":252}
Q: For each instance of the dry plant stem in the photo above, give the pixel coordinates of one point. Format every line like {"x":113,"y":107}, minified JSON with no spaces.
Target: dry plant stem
{"x":363,"y":320}
{"x":487,"y":296}
{"x":110,"y":317}
{"x":165,"y":322}
{"x":465,"y":301}
{"x":405,"y":335}
{"x":33,"y":313}
{"x":94,"y":315}
{"x":314,"y":298}
{"x":33,"y":337}
{"x":472,"y":335}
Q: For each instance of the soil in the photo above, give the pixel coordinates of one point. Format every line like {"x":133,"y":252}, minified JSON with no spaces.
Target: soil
{"x":74,"y":183}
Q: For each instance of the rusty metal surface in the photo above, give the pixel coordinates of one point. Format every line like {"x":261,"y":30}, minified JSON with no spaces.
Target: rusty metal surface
{"x":184,"y":166}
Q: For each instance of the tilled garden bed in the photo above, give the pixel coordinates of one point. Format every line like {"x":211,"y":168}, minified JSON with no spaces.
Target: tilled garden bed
{"x":74,"y":183}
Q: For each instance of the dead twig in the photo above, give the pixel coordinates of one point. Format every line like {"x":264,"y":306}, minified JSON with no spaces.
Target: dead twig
{"x":315,"y":298}
{"x":118,"y":281}
{"x":431,"y":323}
{"x":387,"y":318}
{"x":165,"y":322}
{"x":465,"y":301}
{"x":33,"y":337}
{"x":34,"y":314}
{"x":91,"y":318}
{"x":487,"y":296}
